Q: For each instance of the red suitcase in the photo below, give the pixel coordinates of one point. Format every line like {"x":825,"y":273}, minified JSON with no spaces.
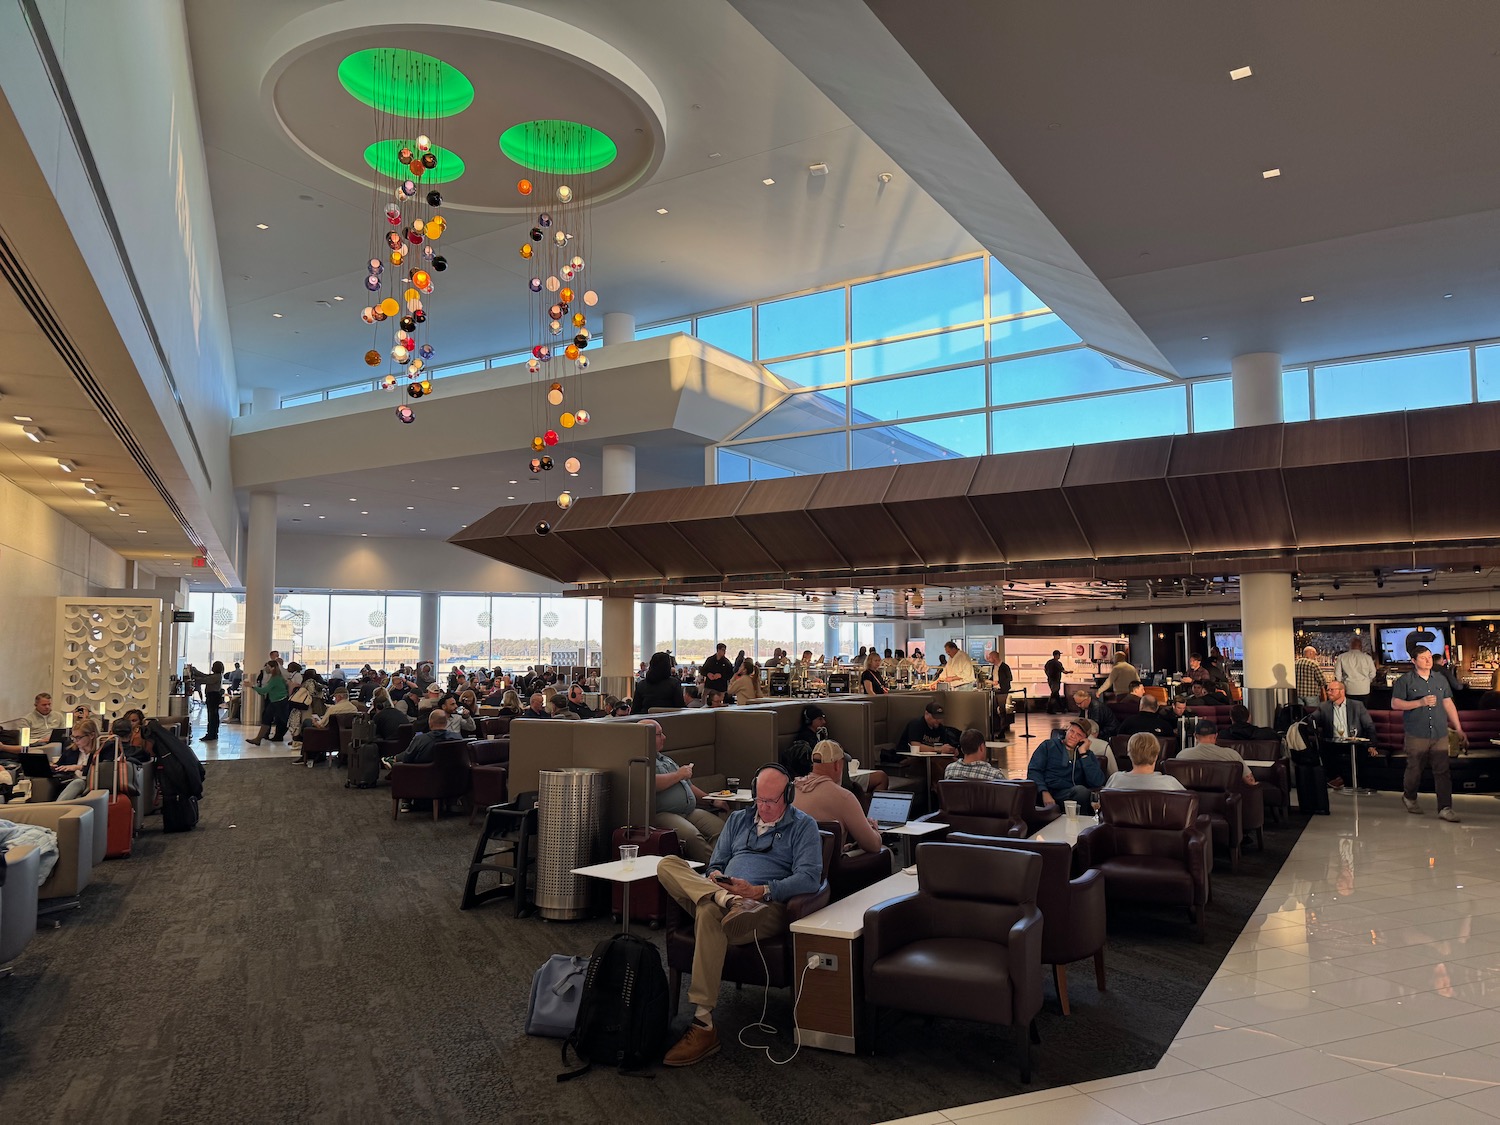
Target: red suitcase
{"x":649,"y":901}
{"x":121,"y":807}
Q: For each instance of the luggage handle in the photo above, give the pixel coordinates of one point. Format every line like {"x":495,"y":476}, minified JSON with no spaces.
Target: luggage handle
{"x":630,"y":790}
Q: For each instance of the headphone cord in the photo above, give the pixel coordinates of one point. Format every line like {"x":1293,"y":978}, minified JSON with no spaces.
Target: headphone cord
{"x":762,"y":1025}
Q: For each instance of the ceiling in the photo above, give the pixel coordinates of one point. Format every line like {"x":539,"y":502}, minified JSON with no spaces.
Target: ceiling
{"x":727,"y":238}
{"x":1122,"y":123}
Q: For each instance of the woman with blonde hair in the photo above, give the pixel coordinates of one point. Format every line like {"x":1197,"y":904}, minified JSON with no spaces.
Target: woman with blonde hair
{"x":73,"y":763}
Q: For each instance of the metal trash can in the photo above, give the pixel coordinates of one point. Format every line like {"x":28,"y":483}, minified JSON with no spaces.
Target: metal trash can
{"x":571,"y":808}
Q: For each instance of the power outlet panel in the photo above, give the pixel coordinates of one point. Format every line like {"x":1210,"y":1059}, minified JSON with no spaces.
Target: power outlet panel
{"x":828,"y":961}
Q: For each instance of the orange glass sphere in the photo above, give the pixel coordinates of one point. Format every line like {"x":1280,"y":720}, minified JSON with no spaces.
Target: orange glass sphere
{"x":389,"y":306}
{"x":372,"y":357}
{"x":526,"y":250}
{"x":416,"y":168}
{"x":421,"y":279}
{"x":565,"y":295}
{"x":536,"y":444}
{"x":525,"y":187}
{"x":566,"y":421}
{"x":571,"y":351}
{"x":579,"y":320}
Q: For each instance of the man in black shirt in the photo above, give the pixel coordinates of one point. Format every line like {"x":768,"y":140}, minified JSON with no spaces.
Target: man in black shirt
{"x":717,"y":670}
{"x":1054,"y":670}
{"x":1150,"y":719}
{"x":577,"y":704}
{"x":927,"y":729}
{"x":1090,"y":706}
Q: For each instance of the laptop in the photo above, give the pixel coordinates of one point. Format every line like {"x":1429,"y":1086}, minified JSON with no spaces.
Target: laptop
{"x":36,"y":765}
{"x":890,"y":810}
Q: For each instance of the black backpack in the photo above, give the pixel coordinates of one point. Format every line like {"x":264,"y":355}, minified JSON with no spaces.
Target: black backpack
{"x":622,"y":1018}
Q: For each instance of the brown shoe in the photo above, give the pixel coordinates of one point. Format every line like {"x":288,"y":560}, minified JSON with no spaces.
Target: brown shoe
{"x":739,"y":919}
{"x":696,"y":1044}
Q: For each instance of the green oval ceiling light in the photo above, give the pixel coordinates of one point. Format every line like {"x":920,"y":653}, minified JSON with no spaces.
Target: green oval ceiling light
{"x":563,"y":148}
{"x":382,"y":156}
{"x":406,"y":83}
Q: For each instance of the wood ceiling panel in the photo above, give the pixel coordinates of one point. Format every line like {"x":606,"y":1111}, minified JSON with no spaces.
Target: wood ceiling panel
{"x":1019,"y":500}
{"x":587,"y":531}
{"x":775,"y":514}
{"x":849,"y":509}
{"x":1347,"y":480}
{"x":1228,"y":492}
{"x":1120,"y":498}
{"x":929,"y":503}
{"x":1455,"y":451}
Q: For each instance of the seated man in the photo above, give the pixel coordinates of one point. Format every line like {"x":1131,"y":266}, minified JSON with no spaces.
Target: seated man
{"x":1090,"y":706}
{"x":1206,"y":695}
{"x":1241,"y":729}
{"x":577,"y":704}
{"x":974,"y":763}
{"x":424,"y":744}
{"x":536,"y":708}
{"x":677,"y":803}
{"x":1099,"y":747}
{"x":1207,"y":749}
{"x":927,"y":729}
{"x":766,"y":855}
{"x":557,"y":708}
{"x":1149,"y":718}
{"x":41,"y":722}
{"x":1064,"y":769}
{"x":339,"y":706}
{"x":817,"y":771}
{"x":1338,"y":719}
{"x":1143,"y":749}
{"x":693,"y":694}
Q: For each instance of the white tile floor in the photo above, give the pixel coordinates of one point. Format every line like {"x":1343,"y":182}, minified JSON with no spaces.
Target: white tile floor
{"x":1366,"y":988}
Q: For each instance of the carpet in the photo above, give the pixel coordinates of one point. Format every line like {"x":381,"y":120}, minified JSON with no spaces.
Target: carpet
{"x":301,"y":956}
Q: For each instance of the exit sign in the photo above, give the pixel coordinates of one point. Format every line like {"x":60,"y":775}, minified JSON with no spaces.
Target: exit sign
{"x":200,"y":562}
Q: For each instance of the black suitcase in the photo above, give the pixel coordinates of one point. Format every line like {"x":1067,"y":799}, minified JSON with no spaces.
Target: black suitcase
{"x":1312,"y":783}
{"x":179,"y":813}
{"x":364,"y":766}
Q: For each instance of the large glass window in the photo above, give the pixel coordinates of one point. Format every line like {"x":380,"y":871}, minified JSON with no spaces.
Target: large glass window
{"x":807,"y":410}
{"x":1213,"y":405}
{"x":302,"y":400}
{"x":812,"y":371}
{"x":777,"y":629}
{"x":562,"y":631}
{"x":737,"y":631}
{"x":307,"y":617}
{"x":939,"y":393}
{"x":196,"y":642}
{"x":464,"y":631}
{"x":352,"y":389}
{"x":918,"y":301}
{"x":403,"y":623}
{"x":667,"y":329}
{"x":1404,"y":382}
{"x":809,"y":323}
{"x":1060,"y":374}
{"x":1030,"y":334}
{"x":1296,"y":401}
{"x":814,"y":453}
{"x":514,"y":632}
{"x":942,"y":350}
{"x":1083,"y":421}
{"x":1008,"y":296}
{"x":733,"y":331}
{"x":666,"y":629}
{"x":936,"y":439}
{"x":357,"y":630}
{"x":697,"y":633}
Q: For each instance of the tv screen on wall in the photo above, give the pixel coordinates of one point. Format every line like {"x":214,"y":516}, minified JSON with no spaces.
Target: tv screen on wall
{"x":1397,"y":641}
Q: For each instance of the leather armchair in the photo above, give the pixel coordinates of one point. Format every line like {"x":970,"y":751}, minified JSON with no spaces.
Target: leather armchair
{"x":490,"y":758}
{"x":1073,"y":912}
{"x":984,"y":808}
{"x":390,"y":747}
{"x":1268,"y":765}
{"x":445,"y":778}
{"x":18,"y":872}
{"x":319,"y":742}
{"x":495,"y":726}
{"x":1221,"y":794}
{"x":742,"y":963}
{"x":1037,"y":814}
{"x":966,"y":945}
{"x":98,"y":801}
{"x":74,"y":825}
{"x":1154,"y":847}
{"x":850,"y":873}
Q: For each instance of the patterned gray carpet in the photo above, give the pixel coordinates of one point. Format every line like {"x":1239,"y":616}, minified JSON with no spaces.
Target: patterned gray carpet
{"x":301,"y":957}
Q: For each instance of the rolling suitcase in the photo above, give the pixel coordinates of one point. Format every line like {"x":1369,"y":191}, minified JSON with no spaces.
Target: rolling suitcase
{"x":364,"y":766}
{"x":121,"y":831}
{"x":1312,"y":783}
{"x":649,"y":901}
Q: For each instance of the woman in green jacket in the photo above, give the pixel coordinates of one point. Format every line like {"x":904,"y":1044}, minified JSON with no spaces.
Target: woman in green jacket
{"x":275,"y":705}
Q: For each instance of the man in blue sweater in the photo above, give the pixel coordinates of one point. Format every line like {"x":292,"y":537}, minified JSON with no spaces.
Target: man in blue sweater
{"x":765,"y":855}
{"x":1065,"y":770}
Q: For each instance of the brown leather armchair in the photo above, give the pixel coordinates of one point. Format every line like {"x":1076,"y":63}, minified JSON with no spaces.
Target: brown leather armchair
{"x":490,"y":758}
{"x":1037,"y":814}
{"x":390,"y":747}
{"x":966,"y":945}
{"x":445,"y":778}
{"x":319,"y":742}
{"x":985,"y":808}
{"x":1221,"y":794}
{"x":742,"y":963}
{"x":495,"y":726}
{"x":1072,"y":909}
{"x":850,"y":873}
{"x":1152,"y":846}
{"x":1268,"y":765}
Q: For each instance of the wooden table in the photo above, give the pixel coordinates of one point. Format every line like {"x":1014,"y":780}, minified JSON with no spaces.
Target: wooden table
{"x":831,"y":1001}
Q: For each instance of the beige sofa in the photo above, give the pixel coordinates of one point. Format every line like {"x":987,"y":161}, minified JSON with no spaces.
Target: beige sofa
{"x":18,"y":902}
{"x":74,"y":825}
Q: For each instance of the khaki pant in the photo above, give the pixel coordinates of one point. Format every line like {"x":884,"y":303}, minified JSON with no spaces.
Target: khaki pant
{"x":697,"y":830}
{"x":695,"y":894}
{"x":1424,"y":753}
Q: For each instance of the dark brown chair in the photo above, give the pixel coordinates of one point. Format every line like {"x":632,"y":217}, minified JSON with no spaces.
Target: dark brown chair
{"x":490,"y":768}
{"x":1037,"y":814}
{"x":390,"y":747}
{"x":743,"y":963}
{"x":1268,"y":765}
{"x":1152,"y":846}
{"x":319,"y":742}
{"x":346,"y":733}
{"x":985,"y":808}
{"x":966,"y":945}
{"x":495,"y":726}
{"x":850,"y":873}
{"x":445,"y":778}
{"x":1221,"y":794}
{"x":1072,"y":909}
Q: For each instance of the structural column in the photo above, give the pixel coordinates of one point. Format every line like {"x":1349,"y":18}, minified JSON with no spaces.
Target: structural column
{"x":619,"y":328}
{"x":1266,"y":622}
{"x":830,"y":639}
{"x":648,"y":629}
{"x":1255,"y":379}
{"x":427,"y":631}
{"x":263,"y":400}
{"x":617,"y":625}
{"x":260,"y":595}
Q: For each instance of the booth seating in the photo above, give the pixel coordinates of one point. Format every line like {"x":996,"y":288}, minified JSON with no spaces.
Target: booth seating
{"x":1073,"y":915}
{"x":890,"y":713}
{"x":1220,"y":788}
{"x":966,"y":945}
{"x":18,"y":899}
{"x":74,"y":825}
{"x":319,"y":742}
{"x":768,"y":962}
{"x":444,"y":779}
{"x":851,"y":872}
{"x":1153,"y":847}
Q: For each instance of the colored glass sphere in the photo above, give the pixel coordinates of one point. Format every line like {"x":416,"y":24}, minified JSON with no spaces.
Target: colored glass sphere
{"x":550,"y":437}
{"x":524,"y":187}
{"x":434,"y":198}
{"x":406,"y":414}
{"x":372,"y":357}
{"x":582,"y":415}
{"x":572,"y":464}
{"x":535,"y":465}
{"x":566,"y":421}
{"x":535,"y":285}
{"x":526,"y":250}
{"x":536,"y":444}
{"x":543,"y":527}
{"x":565,"y":500}
{"x":564,"y":193}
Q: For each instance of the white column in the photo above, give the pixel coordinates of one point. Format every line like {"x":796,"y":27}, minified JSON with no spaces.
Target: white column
{"x":648,"y":630}
{"x":830,"y":639}
{"x":427,"y":631}
{"x":263,"y":400}
{"x":260,"y":594}
{"x":617,"y":646}
{"x":1256,"y":382}
{"x":619,"y":328}
{"x":619,"y":469}
{"x":1270,"y":645}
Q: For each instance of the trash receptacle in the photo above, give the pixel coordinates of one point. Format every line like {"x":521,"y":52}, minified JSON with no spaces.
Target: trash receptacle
{"x":571,"y":804}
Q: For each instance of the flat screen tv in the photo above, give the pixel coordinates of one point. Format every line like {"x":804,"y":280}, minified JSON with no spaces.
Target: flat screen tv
{"x":1397,"y":641}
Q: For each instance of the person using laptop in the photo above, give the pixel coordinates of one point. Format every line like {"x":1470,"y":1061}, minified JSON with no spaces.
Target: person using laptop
{"x":817,"y":773}
{"x":927,"y":730}
{"x":41,"y":722}
{"x":974,"y":765}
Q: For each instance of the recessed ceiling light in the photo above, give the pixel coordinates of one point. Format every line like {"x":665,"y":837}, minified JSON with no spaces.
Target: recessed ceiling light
{"x":276,"y":315}
{"x":261,"y":226}
{"x":661,"y":210}
{"x":455,"y":487}
{"x":35,"y":433}
{"x":307,"y":505}
{"x":768,"y":181}
{"x":322,"y":517}
{"x":510,"y":497}
{"x":364,"y":513}
{"x":1239,"y":72}
{"x":715,"y":155}
{"x":66,"y":466}
{"x":421,"y":529}
{"x":127,"y":516}
{"x":176,"y":564}
{"x":1205,"y":337}
{"x":1307,"y":298}
{"x":89,"y":486}
{"x":364,"y":535}
{"x":353,"y":500}
{"x":411,"y":508}
{"x":338,"y":298}
{"x":1270,"y":173}
{"x":1447,"y":295}
{"x":28,"y":418}
{"x":140,"y":531}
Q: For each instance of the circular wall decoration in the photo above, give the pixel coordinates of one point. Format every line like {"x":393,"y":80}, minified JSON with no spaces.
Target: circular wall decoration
{"x":377,"y":619}
{"x":223,"y":616}
{"x":549,"y":619}
{"x":755,"y":621}
{"x":808,"y":623}
{"x":700,"y":622}
{"x":564,"y":148}
{"x":833,"y":622}
{"x":406,"y":83}
{"x":382,"y":156}
{"x":484,"y":620}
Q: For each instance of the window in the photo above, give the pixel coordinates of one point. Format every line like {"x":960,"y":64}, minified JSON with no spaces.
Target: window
{"x":1406,"y":382}
{"x":697,"y":633}
{"x":737,"y":631}
{"x":464,"y":631}
{"x":1487,"y":361}
{"x":918,"y":302}
{"x":814,"y":371}
{"x":301,"y":400}
{"x":1030,"y":334}
{"x":733,"y":331}
{"x":563,"y":640}
{"x":1060,"y":374}
{"x":944,"y":350}
{"x":1213,"y":405}
{"x":732,"y":468}
{"x":809,"y":323}
{"x":776,"y":630}
{"x":459,"y":368}
{"x":939,"y":393}
{"x":935,"y":440}
{"x":514,"y":632}
{"x":511,"y":358}
{"x":1084,"y":421}
{"x":815,"y":453}
{"x":1296,"y":405}
{"x":805,"y":410}
{"x":357,"y":632}
{"x":306,"y":619}
{"x":1008,"y":296}
{"x":403,"y":623}
{"x":352,"y":389}
{"x":197,"y":639}
{"x":664,"y":329}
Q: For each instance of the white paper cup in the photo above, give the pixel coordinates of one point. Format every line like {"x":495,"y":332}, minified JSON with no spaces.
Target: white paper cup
{"x":628,"y":852}
{"x":1070,"y":807}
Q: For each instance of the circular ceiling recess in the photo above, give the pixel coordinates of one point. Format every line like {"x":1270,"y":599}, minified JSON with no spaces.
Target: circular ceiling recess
{"x":382,"y":156}
{"x":564,"y":148}
{"x":406,"y":83}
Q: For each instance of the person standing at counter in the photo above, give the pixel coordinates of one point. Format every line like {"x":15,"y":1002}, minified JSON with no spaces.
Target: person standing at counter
{"x":958,"y":671}
{"x":1356,"y":669}
{"x":1121,"y":676}
{"x":870,"y":681}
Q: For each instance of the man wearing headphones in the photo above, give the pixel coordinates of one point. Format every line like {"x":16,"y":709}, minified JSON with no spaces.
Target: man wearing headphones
{"x":766,"y":854}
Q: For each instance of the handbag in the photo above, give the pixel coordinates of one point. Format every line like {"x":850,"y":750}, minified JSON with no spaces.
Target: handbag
{"x":556,"y":991}
{"x":302,"y":698}
{"x":1457,"y":747}
{"x":134,"y":772}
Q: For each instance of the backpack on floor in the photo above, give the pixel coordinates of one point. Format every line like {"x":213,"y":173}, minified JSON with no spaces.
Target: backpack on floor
{"x":556,"y":989}
{"x":622,"y":1017}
